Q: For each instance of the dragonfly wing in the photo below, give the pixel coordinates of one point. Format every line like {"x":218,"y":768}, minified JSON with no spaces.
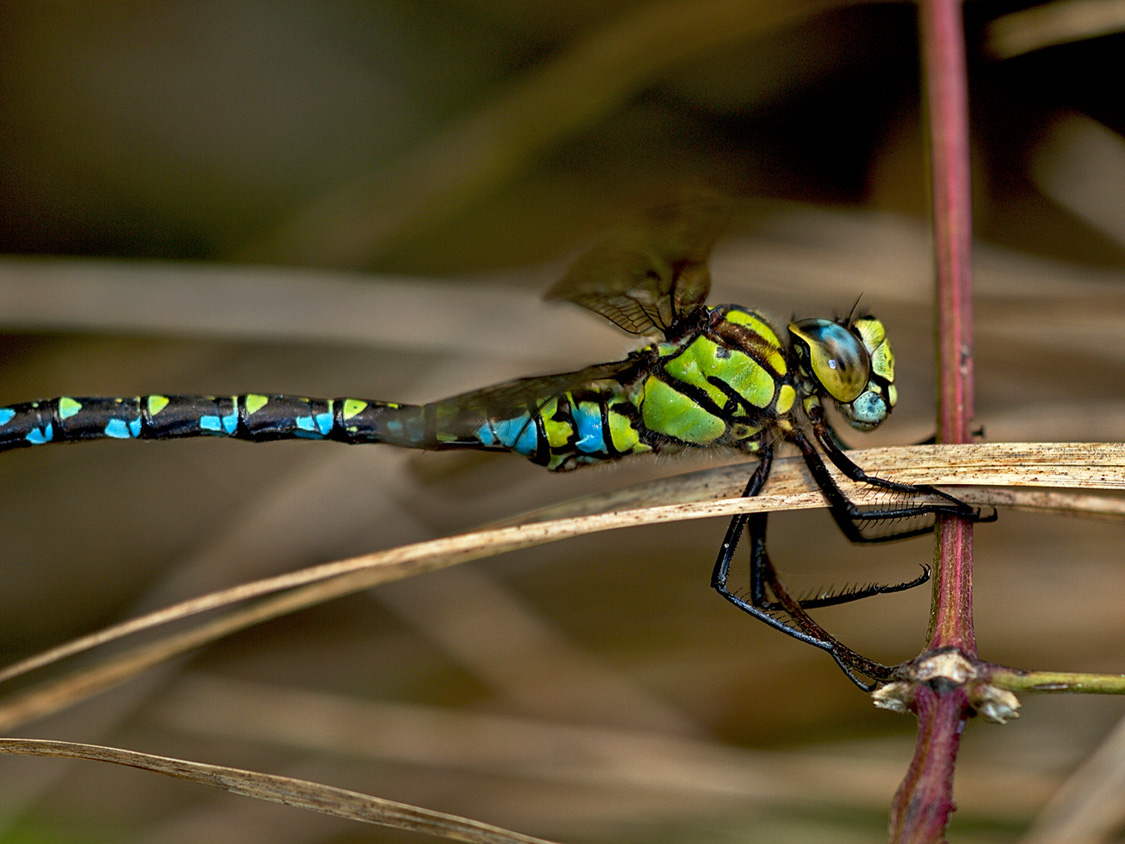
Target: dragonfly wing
{"x":647,"y":276}
{"x":515,"y":397}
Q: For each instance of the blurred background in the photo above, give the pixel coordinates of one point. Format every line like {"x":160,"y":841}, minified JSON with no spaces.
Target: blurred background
{"x":369,"y":199}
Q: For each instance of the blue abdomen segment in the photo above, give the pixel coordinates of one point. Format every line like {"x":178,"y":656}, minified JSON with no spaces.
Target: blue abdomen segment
{"x":518,"y":433}
{"x":572,"y":429}
{"x":590,"y":428}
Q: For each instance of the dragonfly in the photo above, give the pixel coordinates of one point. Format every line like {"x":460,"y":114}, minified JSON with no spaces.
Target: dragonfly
{"x":719,"y":377}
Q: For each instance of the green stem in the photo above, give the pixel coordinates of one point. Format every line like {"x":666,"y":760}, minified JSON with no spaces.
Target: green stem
{"x":1066,"y":682}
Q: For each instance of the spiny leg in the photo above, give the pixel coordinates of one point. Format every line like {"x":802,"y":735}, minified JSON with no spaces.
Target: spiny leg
{"x":858,"y":593}
{"x":851,"y":662}
{"x":758,"y":598}
{"x":849,"y":516}
{"x":763,"y":577}
{"x":757,"y":606}
{"x":721,"y":572}
{"x":832,"y":448}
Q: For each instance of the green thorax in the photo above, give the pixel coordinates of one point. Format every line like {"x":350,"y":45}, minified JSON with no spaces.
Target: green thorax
{"x":721,"y":380}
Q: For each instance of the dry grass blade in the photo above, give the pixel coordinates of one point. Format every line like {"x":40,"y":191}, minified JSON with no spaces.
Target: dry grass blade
{"x":1091,"y":466}
{"x":695,"y":768}
{"x":1088,"y":806}
{"x":300,"y":794}
{"x":1052,"y":24}
{"x":1020,"y":466}
{"x":306,"y":306}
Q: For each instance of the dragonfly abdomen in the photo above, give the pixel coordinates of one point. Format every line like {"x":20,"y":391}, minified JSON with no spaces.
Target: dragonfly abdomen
{"x":253,"y":417}
{"x":562,"y":432}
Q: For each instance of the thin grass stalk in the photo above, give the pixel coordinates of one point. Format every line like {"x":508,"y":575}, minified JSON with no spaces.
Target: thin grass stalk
{"x":288,"y":791}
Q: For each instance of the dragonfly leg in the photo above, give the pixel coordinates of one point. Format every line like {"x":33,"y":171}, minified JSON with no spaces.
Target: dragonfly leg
{"x":855,"y":665}
{"x":858,"y":593}
{"x":849,"y":516}
{"x":734,"y":534}
{"x":764,"y":580}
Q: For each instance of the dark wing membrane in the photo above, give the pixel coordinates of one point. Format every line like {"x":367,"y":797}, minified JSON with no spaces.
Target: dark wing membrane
{"x":647,"y":276}
{"x":463,"y":414}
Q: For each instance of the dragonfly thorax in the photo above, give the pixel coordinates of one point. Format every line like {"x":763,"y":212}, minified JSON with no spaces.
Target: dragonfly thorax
{"x":724,"y":382}
{"x":850,"y":362}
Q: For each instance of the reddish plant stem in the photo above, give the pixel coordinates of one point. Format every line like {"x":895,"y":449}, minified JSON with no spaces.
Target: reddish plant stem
{"x":951,"y":617}
{"x":943,"y":51}
{"x":924,"y":801}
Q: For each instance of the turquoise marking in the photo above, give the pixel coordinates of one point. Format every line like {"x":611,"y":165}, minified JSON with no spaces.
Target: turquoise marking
{"x":588,"y":421}
{"x":518,"y":434}
{"x":509,"y":431}
{"x":324,"y":423}
{"x":230,"y":423}
{"x":41,"y":435}
{"x":211,"y":422}
{"x":118,"y":429}
{"x":6,"y":414}
{"x":485,"y":435}
{"x":528,"y":441}
{"x":135,"y":427}
{"x":307,"y":429}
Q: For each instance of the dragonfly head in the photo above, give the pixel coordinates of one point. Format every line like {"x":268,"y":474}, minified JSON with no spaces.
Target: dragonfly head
{"x":852,"y":362}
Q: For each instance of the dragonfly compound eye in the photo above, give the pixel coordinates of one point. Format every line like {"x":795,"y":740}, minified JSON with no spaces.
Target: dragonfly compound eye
{"x":836,"y":357}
